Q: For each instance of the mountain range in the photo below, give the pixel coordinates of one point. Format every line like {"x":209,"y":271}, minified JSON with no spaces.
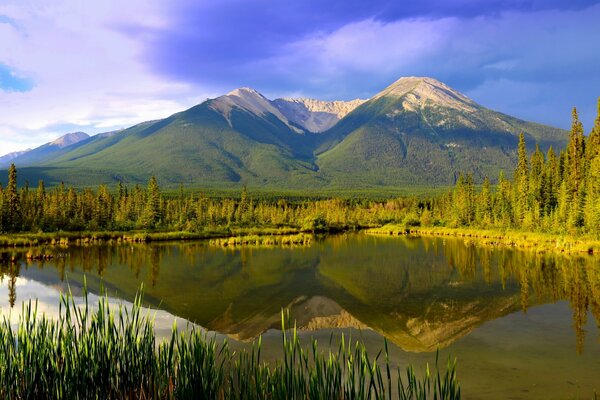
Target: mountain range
{"x":417,"y":131}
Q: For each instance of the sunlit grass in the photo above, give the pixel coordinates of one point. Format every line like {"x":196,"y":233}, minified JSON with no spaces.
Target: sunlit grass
{"x":85,"y":237}
{"x":537,"y":241}
{"x":99,"y":352}
{"x":263,"y":240}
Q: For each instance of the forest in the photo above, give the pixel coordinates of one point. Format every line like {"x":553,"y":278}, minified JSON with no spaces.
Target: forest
{"x":550,"y":192}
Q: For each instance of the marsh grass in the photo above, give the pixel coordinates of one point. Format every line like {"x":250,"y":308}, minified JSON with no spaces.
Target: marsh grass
{"x":263,"y":240}
{"x":85,"y":237}
{"x":103,"y":353}
{"x":537,"y":241}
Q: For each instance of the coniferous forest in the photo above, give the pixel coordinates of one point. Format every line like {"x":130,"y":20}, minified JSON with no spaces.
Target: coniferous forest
{"x":552,"y":192}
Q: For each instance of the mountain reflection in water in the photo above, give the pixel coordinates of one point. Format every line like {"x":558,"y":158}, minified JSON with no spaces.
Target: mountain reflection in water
{"x":420,"y":293}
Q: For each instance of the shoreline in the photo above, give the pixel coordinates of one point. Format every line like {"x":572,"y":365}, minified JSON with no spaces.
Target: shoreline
{"x":533,"y":241}
{"x":23,"y":240}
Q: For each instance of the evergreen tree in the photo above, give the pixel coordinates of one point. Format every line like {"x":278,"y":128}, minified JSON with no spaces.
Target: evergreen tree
{"x":152,"y":211}
{"x":484,"y":205}
{"x":12,"y":204}
{"x":521,"y":182}
{"x":537,"y":182}
{"x":552,"y":178}
{"x":593,"y":143}
{"x":575,"y":155}
{"x":504,"y":206}
{"x":592,"y":205}
{"x":103,"y":208}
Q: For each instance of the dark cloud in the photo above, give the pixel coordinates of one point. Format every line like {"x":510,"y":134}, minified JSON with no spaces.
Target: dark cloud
{"x":283,"y":47}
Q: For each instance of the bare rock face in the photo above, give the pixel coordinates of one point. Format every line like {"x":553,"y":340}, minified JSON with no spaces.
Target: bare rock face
{"x":418,"y":92}
{"x":315,"y":115}
{"x":11,"y":156}
{"x":301,"y":115}
{"x":69,"y":139}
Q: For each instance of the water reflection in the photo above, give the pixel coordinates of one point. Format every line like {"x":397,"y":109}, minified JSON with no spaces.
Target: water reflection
{"x":421,"y":293}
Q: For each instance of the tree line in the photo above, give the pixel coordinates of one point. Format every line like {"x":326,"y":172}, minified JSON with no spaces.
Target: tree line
{"x":548,"y":192}
{"x":133,"y":208}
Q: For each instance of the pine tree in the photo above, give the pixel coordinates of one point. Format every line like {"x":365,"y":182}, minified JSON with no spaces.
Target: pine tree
{"x":103,"y":208}
{"x":151,"y":215}
{"x":521,"y":182}
{"x":537,"y":183}
{"x":12,"y":204}
{"x":552,"y":178}
{"x":470,"y":193}
{"x":2,"y":210}
{"x":484,"y":205}
{"x":503,"y":201}
{"x":575,"y":155}
{"x":564,"y":203}
{"x":459,"y":201}
{"x":593,"y":143}
{"x":592,"y":200}
{"x":575,"y":172}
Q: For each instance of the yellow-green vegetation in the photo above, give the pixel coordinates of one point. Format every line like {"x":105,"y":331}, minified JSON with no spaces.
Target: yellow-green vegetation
{"x":83,"y":238}
{"x":260,"y":240}
{"x":99,"y":353}
{"x":550,"y":193}
{"x":488,"y":237}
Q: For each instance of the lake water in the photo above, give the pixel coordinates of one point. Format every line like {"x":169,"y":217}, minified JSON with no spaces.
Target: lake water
{"x":521,"y":325}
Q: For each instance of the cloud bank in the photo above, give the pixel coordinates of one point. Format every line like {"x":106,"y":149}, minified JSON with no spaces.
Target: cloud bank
{"x":74,"y":65}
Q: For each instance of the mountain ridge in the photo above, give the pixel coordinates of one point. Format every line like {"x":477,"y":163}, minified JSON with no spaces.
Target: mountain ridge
{"x":415,"y":131}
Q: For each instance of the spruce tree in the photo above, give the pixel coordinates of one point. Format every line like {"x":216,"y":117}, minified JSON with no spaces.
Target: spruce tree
{"x":12,"y":205}
{"x":552,"y":178}
{"x":521,"y":181}
{"x":593,"y":143}
{"x":537,"y":183}
{"x":484,"y":205}
{"x":575,"y":172}
{"x":592,"y":200}
{"x":151,"y":215}
{"x":575,"y":155}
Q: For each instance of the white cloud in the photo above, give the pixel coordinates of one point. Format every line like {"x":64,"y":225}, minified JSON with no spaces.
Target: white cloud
{"x":84,"y":71}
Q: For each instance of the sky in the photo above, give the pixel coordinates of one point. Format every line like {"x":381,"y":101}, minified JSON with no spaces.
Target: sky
{"x":96,"y":66}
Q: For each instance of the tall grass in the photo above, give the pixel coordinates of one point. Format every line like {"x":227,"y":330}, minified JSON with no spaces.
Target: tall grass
{"x":100,"y":353}
{"x":538,"y":241}
{"x":263,"y":240}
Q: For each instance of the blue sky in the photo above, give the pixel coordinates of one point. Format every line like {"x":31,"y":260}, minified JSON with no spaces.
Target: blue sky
{"x":69,"y":65}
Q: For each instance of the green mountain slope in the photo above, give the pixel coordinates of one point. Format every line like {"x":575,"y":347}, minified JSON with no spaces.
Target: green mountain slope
{"x":199,"y":146}
{"x":49,"y":151}
{"x":417,"y":131}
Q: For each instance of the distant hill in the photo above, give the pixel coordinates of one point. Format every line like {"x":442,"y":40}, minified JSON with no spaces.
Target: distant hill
{"x":8,"y":158}
{"x":47,"y":152}
{"x":417,"y":131}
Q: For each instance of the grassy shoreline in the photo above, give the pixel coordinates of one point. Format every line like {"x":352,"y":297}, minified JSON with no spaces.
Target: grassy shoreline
{"x":535,"y":241}
{"x":540,"y":242}
{"x":85,"y":237}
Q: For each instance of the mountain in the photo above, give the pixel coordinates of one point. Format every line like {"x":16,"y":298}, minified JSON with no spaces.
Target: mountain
{"x":315,"y":115}
{"x":420,"y":130}
{"x":417,"y":131}
{"x":7,"y":158}
{"x":48,"y":151}
{"x":69,"y":139}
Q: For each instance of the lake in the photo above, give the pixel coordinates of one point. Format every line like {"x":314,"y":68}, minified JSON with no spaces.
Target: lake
{"x":521,"y":325}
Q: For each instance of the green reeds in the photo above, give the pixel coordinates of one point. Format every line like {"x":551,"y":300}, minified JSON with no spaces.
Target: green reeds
{"x":103,"y":353}
{"x":302,"y":239}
